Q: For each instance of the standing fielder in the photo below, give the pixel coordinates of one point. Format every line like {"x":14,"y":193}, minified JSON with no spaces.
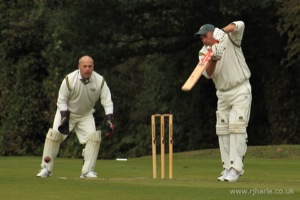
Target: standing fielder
{"x":230,"y":74}
{"x":78,"y":94}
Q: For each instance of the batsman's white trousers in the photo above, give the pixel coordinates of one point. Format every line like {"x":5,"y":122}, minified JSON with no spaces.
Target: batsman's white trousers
{"x":236,"y":103}
{"x":232,"y":120}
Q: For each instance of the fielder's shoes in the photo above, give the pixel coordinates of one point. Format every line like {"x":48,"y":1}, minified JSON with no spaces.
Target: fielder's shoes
{"x":233,"y":175}
{"x":224,"y":173}
{"x":44,"y":173}
{"x":90,"y":174}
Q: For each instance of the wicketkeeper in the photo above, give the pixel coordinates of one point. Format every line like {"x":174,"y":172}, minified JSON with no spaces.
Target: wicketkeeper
{"x":230,"y":74}
{"x":78,"y":94}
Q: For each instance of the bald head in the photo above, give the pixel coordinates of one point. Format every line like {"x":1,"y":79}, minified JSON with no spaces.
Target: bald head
{"x":85,"y":59}
{"x":86,"y":67}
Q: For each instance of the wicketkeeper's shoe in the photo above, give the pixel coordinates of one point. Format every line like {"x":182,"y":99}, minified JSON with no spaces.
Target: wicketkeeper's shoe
{"x":233,"y":175}
{"x":90,"y":174}
{"x":44,"y":173}
{"x":224,"y":173}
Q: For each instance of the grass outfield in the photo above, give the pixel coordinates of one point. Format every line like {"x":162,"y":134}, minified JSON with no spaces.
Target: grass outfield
{"x":271,"y":172}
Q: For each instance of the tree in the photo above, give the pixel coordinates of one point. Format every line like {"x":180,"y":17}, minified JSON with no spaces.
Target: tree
{"x":23,"y":104}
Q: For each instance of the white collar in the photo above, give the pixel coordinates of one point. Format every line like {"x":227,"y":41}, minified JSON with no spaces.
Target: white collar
{"x":86,"y":81}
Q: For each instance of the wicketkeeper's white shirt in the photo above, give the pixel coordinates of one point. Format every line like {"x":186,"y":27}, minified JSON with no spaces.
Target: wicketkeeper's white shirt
{"x":80,"y":98}
{"x":232,"y":69}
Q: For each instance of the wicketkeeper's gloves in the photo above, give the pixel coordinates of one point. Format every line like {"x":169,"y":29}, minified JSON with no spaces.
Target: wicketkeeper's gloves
{"x":109,"y":124}
{"x":63,"y":128}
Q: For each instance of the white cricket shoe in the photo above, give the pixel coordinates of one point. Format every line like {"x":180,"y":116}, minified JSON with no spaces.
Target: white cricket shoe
{"x":224,"y":173}
{"x":44,"y":173}
{"x":233,"y":175}
{"x":90,"y":174}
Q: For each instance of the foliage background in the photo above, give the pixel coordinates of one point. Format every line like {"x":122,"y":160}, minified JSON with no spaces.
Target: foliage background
{"x":145,"y":50}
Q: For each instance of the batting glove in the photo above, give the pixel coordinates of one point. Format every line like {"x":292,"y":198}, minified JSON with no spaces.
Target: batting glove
{"x":63,"y":128}
{"x":217,"y":51}
{"x":219,"y":35}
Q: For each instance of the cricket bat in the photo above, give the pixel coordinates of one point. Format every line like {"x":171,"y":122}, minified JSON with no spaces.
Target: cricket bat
{"x":196,"y":74}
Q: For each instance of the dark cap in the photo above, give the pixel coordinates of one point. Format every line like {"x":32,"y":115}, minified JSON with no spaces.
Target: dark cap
{"x":204,"y":29}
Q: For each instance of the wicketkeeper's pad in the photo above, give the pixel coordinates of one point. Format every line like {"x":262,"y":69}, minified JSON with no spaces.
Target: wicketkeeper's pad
{"x":90,"y":153}
{"x":51,"y":147}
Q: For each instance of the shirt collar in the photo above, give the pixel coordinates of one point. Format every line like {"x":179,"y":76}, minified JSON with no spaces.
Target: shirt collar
{"x":86,"y":81}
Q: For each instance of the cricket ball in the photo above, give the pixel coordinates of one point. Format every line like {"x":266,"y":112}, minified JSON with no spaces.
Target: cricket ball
{"x":47,"y":159}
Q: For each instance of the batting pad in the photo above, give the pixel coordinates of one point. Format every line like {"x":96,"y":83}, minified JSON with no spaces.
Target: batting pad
{"x":238,"y":148}
{"x":238,"y":121}
{"x":90,"y":153}
{"x":51,"y":147}
{"x":222,"y":126}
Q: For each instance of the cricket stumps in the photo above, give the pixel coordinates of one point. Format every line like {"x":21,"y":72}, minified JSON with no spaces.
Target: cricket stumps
{"x":161,"y":119}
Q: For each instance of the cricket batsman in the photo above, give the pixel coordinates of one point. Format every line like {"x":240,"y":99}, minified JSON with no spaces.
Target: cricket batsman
{"x":78,"y":94}
{"x":230,"y":74}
